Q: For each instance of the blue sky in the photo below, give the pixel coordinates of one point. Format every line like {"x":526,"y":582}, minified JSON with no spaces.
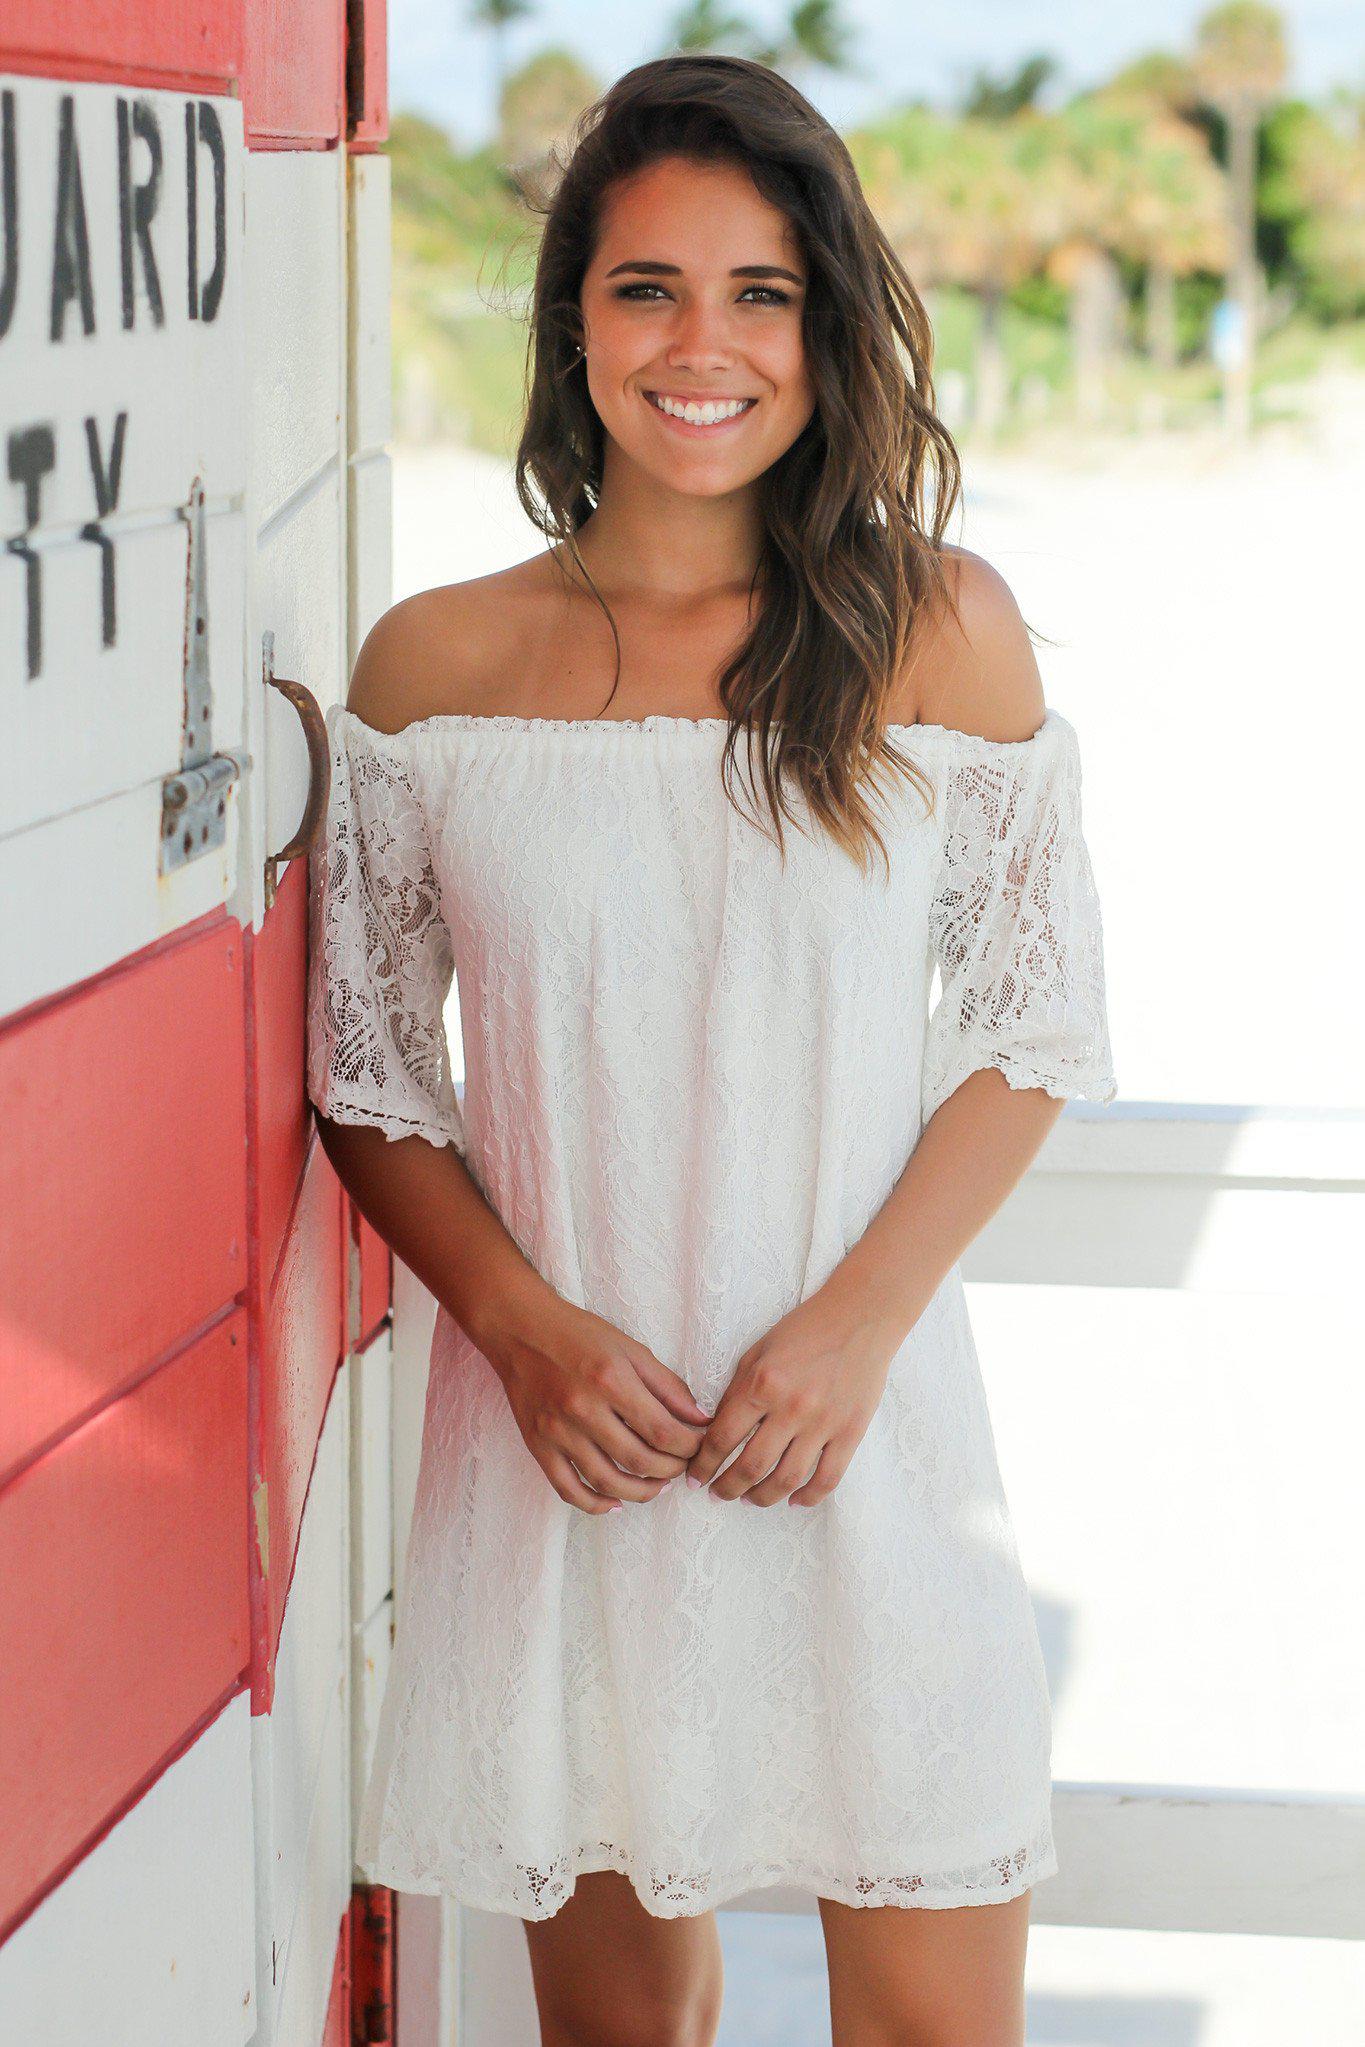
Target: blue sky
{"x":442,"y":67}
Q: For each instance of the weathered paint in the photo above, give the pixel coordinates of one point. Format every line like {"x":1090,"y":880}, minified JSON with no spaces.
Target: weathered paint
{"x":123,"y":1577}
{"x":195,"y":320}
{"x":152,"y":1935}
{"x":86,"y":1173}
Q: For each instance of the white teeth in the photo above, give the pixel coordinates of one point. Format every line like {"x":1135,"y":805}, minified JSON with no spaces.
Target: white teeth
{"x":700,"y":415}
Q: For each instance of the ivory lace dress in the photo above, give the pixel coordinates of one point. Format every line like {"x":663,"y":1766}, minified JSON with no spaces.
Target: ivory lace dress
{"x":691,"y":1080}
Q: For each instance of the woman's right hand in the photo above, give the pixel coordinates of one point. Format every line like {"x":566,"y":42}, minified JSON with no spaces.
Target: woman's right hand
{"x":593,"y":1404}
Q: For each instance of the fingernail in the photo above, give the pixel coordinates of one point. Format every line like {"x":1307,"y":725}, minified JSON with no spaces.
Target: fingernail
{"x":692,"y":1478}
{"x":614,"y":1505}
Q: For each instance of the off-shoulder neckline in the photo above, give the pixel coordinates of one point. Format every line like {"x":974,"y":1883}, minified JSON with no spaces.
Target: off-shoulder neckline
{"x":660,"y":721}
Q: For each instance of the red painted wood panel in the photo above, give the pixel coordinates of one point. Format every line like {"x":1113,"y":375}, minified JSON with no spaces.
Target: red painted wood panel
{"x":293,"y":63}
{"x":123,"y":1603}
{"x":367,"y":74}
{"x":336,"y":2030}
{"x":186,"y":45}
{"x":376,"y":1279}
{"x":299,"y":1269}
{"x":284,"y":1116}
{"x":304,"y":1334}
{"x":122,"y":1177}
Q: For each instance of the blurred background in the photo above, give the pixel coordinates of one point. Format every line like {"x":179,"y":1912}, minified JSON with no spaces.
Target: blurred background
{"x":1140,"y":233}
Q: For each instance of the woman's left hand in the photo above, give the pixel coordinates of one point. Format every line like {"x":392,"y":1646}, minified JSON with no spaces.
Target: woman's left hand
{"x":804,"y":1394}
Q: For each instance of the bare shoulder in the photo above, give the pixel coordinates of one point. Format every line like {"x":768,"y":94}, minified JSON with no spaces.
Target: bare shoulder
{"x":975,"y":672}
{"x":439,"y":650}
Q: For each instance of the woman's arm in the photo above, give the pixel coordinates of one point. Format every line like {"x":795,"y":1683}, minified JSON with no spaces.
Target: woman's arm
{"x":808,"y":1389}
{"x":591,"y":1402}
{"x":974,"y":1151}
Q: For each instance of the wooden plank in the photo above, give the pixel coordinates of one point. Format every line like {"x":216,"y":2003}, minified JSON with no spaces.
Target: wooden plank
{"x":292,"y":73}
{"x":1191,"y":1859}
{"x":141,"y":317}
{"x":1107,"y":1229}
{"x":369,"y":290}
{"x":336,"y":2030}
{"x":123,"y":1581}
{"x":144,"y":42}
{"x":130,"y":392}
{"x":124,"y":1157}
{"x":151,"y":1936}
{"x":370,"y":545}
{"x":298,"y":595}
{"x":1206,"y":1141}
{"x":371,"y":1659}
{"x":283,"y":1121}
{"x":371,"y":1477}
{"x":367,"y":74}
{"x":295,"y":323}
{"x":307,"y":1748}
{"x":303,"y":1325}
{"x":414,"y":1316}
{"x":99,"y":721}
{"x":372,"y":1262}
{"x":1213,"y":1199}
{"x":56,"y":936}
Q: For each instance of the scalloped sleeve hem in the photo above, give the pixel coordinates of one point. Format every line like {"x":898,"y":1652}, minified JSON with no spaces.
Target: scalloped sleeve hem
{"x":1015,"y":926}
{"x":380,"y":961}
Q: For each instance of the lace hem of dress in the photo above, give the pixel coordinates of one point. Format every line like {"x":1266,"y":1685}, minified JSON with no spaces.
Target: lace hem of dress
{"x":1083,"y":1084}
{"x":534,"y":1893}
{"x":337,"y":1110}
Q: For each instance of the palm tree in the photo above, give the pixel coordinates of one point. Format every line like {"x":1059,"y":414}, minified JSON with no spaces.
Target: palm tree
{"x":1319,"y":191}
{"x":1240,"y":63}
{"x":703,"y":25}
{"x":814,"y":35}
{"x":1148,"y":190}
{"x":989,"y":98}
{"x":540,"y":103}
{"x":976,"y":203}
{"x":1173,"y":219}
{"x":498,"y":16}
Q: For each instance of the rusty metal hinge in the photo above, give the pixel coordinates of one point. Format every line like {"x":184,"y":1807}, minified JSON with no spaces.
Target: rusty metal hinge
{"x":194,"y":800}
{"x":373,"y":1939}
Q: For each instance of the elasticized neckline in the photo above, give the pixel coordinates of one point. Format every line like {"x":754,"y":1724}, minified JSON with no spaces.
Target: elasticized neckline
{"x":660,"y":723}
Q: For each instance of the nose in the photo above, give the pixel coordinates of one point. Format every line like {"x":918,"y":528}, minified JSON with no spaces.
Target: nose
{"x":700,"y":338}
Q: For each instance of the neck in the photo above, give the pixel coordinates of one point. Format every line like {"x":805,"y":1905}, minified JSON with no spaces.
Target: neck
{"x":652,"y":541}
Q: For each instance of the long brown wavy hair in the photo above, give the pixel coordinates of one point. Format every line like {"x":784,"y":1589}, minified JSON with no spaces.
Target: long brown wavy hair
{"x":854,"y":512}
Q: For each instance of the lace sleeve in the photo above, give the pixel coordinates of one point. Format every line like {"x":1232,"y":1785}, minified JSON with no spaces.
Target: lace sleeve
{"x":379,"y":961}
{"x":1015,"y":924}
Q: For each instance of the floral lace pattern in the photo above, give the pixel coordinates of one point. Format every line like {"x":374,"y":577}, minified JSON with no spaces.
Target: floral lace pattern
{"x":1015,"y":925}
{"x":377,"y":1048}
{"x":693,"y":1074}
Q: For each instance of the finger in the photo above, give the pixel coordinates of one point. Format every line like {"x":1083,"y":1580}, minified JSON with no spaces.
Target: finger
{"x":673,"y":1391}
{"x":570,"y":1486}
{"x":734,"y":1419}
{"x":795,"y":1468}
{"x":754,"y":1462}
{"x":823,"y":1479}
{"x":606,"y":1477}
{"x":632,"y":1452}
{"x":644,"y":1412}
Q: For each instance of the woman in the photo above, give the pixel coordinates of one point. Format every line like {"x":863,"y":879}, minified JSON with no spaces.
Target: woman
{"x":694,"y":1229}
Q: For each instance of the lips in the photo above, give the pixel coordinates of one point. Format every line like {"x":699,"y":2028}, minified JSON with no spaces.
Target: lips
{"x":702,"y":426}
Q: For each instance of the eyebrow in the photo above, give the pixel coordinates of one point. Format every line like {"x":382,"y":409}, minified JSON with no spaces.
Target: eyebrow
{"x":741,"y":270}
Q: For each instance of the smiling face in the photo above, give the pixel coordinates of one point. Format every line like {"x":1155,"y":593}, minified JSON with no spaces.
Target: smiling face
{"x":693,"y":301}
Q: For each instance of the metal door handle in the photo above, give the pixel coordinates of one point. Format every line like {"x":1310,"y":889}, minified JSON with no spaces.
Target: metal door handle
{"x":319,"y":765}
